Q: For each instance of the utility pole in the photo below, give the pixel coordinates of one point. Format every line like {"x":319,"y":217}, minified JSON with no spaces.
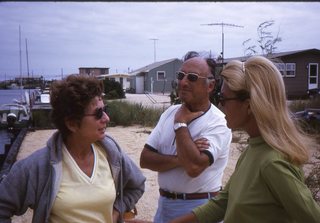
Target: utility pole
{"x":222,"y":24}
{"x":154,"y":48}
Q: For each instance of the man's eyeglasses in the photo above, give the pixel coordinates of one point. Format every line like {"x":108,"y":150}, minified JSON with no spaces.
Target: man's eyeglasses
{"x":222,"y":100}
{"x":98,"y":113}
{"x":193,"y":77}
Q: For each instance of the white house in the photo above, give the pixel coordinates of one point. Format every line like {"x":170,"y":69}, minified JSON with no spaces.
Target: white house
{"x":122,"y":78}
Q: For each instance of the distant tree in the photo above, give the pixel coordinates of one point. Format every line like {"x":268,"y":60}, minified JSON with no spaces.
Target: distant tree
{"x":266,"y":40}
{"x":250,"y":50}
{"x":113,"y":89}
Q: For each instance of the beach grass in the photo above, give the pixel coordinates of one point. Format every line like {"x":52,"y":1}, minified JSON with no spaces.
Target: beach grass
{"x":300,"y":105}
{"x":126,"y":114}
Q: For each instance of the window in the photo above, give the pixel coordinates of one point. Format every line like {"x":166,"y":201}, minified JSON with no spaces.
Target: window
{"x":287,"y":69}
{"x":282,"y":68}
{"x":290,"y":69}
{"x":161,"y":75}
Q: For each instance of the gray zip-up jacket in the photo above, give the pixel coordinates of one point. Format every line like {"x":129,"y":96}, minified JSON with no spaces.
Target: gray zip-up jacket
{"x":34,"y":181}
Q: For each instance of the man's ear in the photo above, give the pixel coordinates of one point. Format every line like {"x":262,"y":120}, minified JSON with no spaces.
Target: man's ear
{"x":211,"y":85}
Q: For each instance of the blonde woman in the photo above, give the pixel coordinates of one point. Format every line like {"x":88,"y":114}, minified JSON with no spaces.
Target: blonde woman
{"x":268,"y":183}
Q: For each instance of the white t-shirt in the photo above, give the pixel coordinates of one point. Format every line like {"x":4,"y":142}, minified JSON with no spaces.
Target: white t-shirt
{"x":212,"y":126}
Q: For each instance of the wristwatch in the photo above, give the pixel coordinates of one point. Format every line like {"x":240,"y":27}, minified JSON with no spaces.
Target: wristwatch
{"x":179,"y":125}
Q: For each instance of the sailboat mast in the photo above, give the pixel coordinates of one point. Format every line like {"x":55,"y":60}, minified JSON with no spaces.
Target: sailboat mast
{"x":20,"y":56}
{"x":27,"y":57}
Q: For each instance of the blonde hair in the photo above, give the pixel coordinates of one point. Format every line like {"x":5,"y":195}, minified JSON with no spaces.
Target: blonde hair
{"x":261,"y":79}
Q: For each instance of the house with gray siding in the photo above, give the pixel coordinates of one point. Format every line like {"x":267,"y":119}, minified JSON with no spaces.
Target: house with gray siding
{"x":299,"y":69}
{"x":158,"y":77}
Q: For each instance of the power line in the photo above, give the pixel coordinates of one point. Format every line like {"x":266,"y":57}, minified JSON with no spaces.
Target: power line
{"x":222,"y":24}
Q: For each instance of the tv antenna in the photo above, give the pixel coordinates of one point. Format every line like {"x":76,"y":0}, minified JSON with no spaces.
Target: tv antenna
{"x":222,"y":24}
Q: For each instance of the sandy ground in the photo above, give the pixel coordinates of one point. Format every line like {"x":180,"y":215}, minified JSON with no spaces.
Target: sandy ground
{"x":152,"y":100}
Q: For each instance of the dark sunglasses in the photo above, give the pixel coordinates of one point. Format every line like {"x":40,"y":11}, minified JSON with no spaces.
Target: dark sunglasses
{"x":222,"y":100}
{"x":99,"y":112}
{"x":193,"y":77}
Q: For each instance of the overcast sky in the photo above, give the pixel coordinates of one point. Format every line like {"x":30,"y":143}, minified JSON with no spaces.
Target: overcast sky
{"x":64,"y":36}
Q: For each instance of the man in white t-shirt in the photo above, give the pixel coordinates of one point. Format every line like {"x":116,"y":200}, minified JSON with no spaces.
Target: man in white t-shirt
{"x":189,"y":146}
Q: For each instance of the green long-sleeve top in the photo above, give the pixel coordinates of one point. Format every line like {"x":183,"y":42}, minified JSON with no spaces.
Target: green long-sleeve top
{"x":264,"y":188}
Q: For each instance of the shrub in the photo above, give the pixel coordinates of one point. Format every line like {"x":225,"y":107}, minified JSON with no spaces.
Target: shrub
{"x":126,"y":114}
{"x":113,"y":89}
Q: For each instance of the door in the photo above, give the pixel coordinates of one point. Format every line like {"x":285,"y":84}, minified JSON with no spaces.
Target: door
{"x":313,"y":76}
{"x":139,"y":84}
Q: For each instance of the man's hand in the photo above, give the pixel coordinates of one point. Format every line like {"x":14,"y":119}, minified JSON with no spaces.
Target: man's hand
{"x":202,"y":144}
{"x":185,"y":115}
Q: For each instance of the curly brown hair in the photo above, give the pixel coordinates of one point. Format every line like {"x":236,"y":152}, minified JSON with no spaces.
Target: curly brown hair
{"x":70,"y":97}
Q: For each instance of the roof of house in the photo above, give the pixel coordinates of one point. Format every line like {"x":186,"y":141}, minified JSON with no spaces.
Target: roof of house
{"x":274,"y":55}
{"x":149,"y":67}
{"x":115,"y":75}
{"x":93,"y":67}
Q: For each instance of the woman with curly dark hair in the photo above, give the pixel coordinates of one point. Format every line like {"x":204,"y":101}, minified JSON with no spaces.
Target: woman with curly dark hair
{"x":82,"y":175}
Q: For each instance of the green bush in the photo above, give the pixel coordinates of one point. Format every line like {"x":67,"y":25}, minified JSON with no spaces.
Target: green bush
{"x":126,"y":114}
{"x":113,"y":89}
